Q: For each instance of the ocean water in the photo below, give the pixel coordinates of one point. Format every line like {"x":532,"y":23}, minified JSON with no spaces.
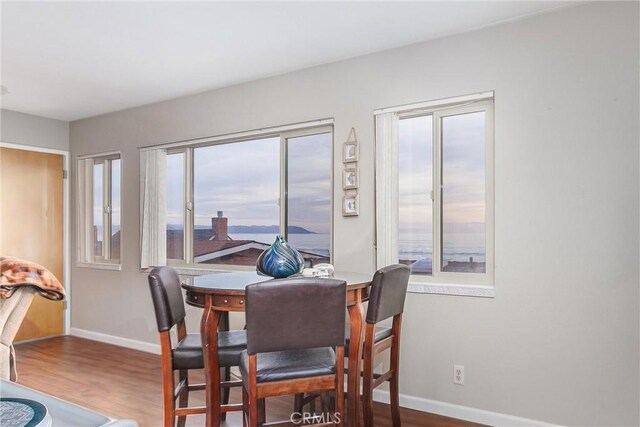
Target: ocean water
{"x":410,"y":249}
{"x":314,"y":243}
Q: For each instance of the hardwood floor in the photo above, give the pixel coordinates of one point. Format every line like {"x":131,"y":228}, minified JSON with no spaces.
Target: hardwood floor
{"x":125,"y":383}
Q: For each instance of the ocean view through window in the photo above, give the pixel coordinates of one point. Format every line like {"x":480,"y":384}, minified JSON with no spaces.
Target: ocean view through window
{"x":463,"y":195}
{"x":443,"y":226}
{"x":236,"y":197}
{"x":463,"y":205}
{"x":415,"y":216}
{"x":309,"y":195}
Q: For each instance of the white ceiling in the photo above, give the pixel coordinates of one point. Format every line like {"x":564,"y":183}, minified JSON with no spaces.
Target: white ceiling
{"x":79,"y":59}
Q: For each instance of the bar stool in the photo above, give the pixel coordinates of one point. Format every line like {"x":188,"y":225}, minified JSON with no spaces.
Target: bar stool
{"x":293,"y":326}
{"x":166,"y":294}
{"x":386,"y":300}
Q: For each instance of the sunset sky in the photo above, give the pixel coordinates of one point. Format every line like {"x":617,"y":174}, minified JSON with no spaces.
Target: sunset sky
{"x":242,"y":180}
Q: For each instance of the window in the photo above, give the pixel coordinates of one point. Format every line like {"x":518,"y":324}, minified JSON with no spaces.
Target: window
{"x":440,"y":172}
{"x":236,"y":188}
{"x":175,"y":205}
{"x":308,"y":210}
{"x":226,"y":201}
{"x":99,"y":215}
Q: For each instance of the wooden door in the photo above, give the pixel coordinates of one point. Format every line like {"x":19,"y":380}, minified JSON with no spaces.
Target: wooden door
{"x":31,"y":227}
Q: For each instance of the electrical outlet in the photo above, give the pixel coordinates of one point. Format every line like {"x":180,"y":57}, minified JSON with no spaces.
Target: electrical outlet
{"x":458,"y":374}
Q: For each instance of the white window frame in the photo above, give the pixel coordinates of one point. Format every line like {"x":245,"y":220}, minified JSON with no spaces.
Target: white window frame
{"x":187,"y":197}
{"x":387,"y":192}
{"x":85,"y":244}
{"x":187,"y":264}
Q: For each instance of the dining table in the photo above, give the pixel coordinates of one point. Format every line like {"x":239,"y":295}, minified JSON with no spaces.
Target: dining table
{"x":221,"y":293}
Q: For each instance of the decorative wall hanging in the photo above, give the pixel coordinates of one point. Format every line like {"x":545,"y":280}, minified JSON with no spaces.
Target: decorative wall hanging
{"x":350,"y":204}
{"x":350,"y":175}
{"x":350,"y":178}
{"x":350,"y":148}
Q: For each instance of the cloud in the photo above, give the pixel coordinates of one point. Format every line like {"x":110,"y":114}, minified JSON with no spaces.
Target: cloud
{"x":243,"y":180}
{"x":463,"y":176}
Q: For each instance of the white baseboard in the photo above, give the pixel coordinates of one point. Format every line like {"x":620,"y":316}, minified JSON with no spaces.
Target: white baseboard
{"x":119,"y":341}
{"x":419,"y":404}
{"x":457,"y":411}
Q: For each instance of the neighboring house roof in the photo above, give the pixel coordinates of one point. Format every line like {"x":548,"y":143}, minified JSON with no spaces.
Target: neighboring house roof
{"x":198,"y":234}
{"x":205,"y":250}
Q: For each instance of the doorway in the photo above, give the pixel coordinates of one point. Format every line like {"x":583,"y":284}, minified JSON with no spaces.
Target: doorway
{"x":32,"y":226}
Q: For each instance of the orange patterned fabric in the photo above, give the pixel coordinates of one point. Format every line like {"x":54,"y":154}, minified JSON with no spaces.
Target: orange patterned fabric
{"x":17,"y":272}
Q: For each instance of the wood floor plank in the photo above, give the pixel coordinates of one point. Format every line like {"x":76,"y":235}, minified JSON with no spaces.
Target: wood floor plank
{"x":125,"y":383}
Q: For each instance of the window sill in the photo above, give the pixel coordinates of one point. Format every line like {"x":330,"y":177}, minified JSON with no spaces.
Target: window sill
{"x":100,"y":266}
{"x":453,"y":289}
{"x":187,"y":270}
{"x":482,"y":291}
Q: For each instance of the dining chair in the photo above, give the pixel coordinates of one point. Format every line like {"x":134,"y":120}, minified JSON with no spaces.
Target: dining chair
{"x":295,"y":342}
{"x":166,"y":293}
{"x":386,"y":300}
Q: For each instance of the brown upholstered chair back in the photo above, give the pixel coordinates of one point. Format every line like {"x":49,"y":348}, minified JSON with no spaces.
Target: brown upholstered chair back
{"x":290,"y":314}
{"x":388,"y":292}
{"x":166,"y":293}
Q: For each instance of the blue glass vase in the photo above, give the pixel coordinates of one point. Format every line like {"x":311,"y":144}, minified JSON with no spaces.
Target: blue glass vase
{"x":280,"y":260}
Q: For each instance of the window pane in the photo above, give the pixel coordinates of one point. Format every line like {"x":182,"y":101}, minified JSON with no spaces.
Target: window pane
{"x":97,"y":209}
{"x":236,"y":191}
{"x":415,"y":221}
{"x":115,"y":209}
{"x":175,"y":206}
{"x":463,"y":193}
{"x":309,"y":196}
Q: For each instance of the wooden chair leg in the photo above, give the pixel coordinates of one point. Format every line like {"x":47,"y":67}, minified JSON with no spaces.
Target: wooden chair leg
{"x":297,"y":402}
{"x":253,"y":392}
{"x":262,"y":411}
{"x":183,"y":399}
{"x":339,"y":409}
{"x":394,"y":398}
{"x":226,"y":375}
{"x":253,"y":411}
{"x":339,"y":406}
{"x":168,"y":400}
{"x":394,"y":389}
{"x":245,"y":406}
{"x":324,"y":402}
{"x":367,"y":376}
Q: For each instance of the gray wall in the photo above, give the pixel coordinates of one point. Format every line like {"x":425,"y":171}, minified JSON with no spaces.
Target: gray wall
{"x":560,"y":341}
{"x":27,"y":129}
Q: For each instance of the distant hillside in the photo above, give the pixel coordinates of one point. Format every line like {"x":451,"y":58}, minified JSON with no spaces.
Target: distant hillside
{"x":251,"y":229}
{"x":270,"y":229}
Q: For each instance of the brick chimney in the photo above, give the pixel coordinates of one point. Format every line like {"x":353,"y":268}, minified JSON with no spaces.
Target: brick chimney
{"x":219,"y":227}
